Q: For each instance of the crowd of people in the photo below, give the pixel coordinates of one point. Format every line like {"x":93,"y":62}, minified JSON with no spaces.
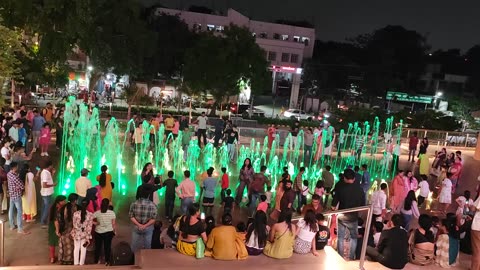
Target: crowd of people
{"x":394,"y":239}
{"x":282,"y":218}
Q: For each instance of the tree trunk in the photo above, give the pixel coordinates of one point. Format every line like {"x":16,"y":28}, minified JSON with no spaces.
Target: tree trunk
{"x":190,"y":112}
{"x":250,"y":110}
{"x":213,"y":111}
{"x":161,"y":105}
{"x":221,"y":110}
{"x":13,"y":94}
{"x":129,"y":112}
{"x":179,"y":101}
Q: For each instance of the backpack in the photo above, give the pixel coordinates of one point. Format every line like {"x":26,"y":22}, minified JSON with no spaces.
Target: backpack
{"x":122,"y":254}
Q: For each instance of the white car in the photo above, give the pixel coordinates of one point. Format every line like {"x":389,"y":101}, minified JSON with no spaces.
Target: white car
{"x":297,"y":114}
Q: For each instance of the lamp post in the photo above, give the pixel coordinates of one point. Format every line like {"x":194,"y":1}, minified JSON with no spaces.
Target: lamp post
{"x":437,"y":96}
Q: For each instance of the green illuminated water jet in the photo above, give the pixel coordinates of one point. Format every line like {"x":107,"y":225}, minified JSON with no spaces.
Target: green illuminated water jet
{"x":84,"y":146}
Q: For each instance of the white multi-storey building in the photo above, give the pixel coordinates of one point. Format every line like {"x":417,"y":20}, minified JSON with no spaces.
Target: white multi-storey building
{"x":285,"y":46}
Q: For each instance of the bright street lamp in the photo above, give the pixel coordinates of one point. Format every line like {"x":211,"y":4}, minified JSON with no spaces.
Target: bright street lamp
{"x":438,"y":94}
{"x":90,"y":68}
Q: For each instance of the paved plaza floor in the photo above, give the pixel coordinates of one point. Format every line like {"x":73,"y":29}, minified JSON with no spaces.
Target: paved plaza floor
{"x":32,"y":249}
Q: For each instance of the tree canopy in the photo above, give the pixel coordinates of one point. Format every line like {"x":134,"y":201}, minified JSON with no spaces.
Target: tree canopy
{"x":216,"y":64}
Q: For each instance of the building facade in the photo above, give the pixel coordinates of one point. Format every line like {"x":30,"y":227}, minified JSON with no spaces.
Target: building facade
{"x":285,"y":46}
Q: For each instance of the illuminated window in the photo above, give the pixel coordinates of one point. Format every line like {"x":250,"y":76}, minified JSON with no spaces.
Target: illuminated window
{"x":210,"y":27}
{"x":276,"y":36}
{"x":285,"y":57}
{"x":284,"y":37}
{"x":305,"y":40}
{"x":263,"y":35}
{"x":219,"y":28}
{"x":294,"y":58}
{"x":296,"y":38}
{"x":272,"y":56}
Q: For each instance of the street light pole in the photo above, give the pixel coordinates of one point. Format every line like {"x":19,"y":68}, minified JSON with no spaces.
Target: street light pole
{"x":274,"y":75}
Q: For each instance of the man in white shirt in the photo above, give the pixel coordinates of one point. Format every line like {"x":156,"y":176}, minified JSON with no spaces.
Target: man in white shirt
{"x":379,"y":202}
{"x":46,"y":191}
{"x":424,"y":190}
{"x":82,"y":184}
{"x":13,"y":131}
{"x":5,"y":151}
{"x":202,"y":129}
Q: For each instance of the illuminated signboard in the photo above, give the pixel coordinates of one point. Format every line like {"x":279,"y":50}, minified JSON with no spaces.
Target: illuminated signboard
{"x":400,"y":96}
{"x":286,"y":69}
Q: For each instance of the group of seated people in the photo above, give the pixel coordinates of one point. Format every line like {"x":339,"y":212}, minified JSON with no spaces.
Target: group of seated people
{"x":190,"y":233}
{"x":434,"y":241}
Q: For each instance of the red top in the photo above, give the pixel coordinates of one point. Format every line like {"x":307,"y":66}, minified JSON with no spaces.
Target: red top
{"x":413,"y":142}
{"x":225,"y":182}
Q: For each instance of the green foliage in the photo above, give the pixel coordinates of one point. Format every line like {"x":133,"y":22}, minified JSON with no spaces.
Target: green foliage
{"x":111,"y":32}
{"x":173,"y":39}
{"x":11,"y":49}
{"x":462,"y":109}
{"x":423,"y":120}
{"x":215,"y":64}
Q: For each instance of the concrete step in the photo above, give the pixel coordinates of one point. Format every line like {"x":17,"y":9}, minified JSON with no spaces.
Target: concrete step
{"x":171,"y":259}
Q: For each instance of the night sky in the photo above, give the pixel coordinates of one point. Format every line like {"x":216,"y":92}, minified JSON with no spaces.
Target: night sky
{"x":446,"y":23}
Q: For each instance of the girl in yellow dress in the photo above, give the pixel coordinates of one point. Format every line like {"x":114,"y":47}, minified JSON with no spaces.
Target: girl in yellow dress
{"x":105,"y":181}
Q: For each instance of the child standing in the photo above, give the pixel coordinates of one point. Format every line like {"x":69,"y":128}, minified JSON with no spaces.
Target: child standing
{"x":424,"y":190}
{"x":22,"y":134}
{"x":138,"y":136}
{"x":445,"y":197}
{"x":305,"y":192}
{"x":268,"y":194}
{"x":263,"y":205}
{"x":225,"y":183}
{"x":227,"y":202}
{"x":186,"y":137}
{"x":44,"y":140}
{"x":323,"y":233}
{"x":319,"y":188}
{"x":170,"y":184}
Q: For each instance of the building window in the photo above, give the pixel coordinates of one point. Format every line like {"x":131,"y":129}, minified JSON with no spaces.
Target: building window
{"x":276,"y":36}
{"x":197,"y":27}
{"x":219,"y":28}
{"x":263,"y":35}
{"x":285,"y":57}
{"x":272,"y":56}
{"x":296,"y":38}
{"x":305,"y":40}
{"x":210,"y":27}
{"x":294,"y":58}
{"x":284,"y":37}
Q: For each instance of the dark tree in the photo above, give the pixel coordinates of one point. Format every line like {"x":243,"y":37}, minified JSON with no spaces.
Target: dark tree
{"x":394,"y":58}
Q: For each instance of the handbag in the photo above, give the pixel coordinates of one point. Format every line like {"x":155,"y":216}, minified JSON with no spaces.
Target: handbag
{"x":200,"y":248}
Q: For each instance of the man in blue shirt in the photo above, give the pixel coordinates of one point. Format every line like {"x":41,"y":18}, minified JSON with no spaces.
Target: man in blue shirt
{"x":365,"y":179}
{"x":37,"y":125}
{"x":209,"y":195}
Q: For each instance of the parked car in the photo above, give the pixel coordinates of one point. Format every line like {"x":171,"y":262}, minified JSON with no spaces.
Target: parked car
{"x":297,"y":114}
{"x":243,"y":110}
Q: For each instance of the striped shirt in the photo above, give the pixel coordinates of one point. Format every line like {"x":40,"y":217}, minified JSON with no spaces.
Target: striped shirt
{"x":104,"y":221}
{"x":15,"y":186}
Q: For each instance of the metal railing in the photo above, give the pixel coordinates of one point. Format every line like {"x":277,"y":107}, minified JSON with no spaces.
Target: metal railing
{"x":368,"y":224}
{"x":2,"y":242}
